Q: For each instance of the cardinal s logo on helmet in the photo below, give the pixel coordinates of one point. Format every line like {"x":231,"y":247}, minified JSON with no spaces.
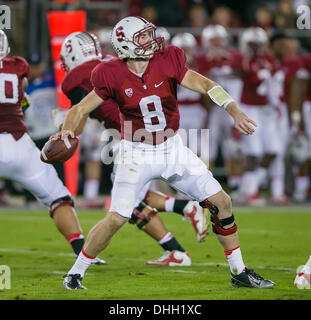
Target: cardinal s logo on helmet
{"x":78,"y":48}
{"x":125,"y":39}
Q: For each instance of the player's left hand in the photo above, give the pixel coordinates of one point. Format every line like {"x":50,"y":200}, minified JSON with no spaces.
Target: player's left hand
{"x":244,"y":124}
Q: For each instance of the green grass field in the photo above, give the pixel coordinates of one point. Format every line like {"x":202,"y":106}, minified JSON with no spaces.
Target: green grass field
{"x":274,"y":242}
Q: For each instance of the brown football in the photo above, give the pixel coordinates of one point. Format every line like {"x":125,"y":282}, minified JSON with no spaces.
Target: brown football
{"x":59,"y":150}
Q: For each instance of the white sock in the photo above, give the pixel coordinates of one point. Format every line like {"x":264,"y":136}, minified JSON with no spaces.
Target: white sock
{"x":235,"y":260}
{"x":169,"y":204}
{"x":261,"y":175}
{"x":277,"y":186}
{"x":82,"y":263}
{"x":249,"y":185}
{"x":301,"y":186}
{"x":166,"y":238}
{"x":91,"y":188}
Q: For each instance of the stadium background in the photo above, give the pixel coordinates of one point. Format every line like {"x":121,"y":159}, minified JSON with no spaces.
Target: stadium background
{"x":32,"y":32}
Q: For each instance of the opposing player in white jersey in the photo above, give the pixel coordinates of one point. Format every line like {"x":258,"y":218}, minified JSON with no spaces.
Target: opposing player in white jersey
{"x":20,"y":158}
{"x":218,"y":62}
{"x":143,"y":82}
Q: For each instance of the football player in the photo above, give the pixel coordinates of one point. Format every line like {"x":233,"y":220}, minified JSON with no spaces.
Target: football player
{"x":80,"y":54}
{"x":20,"y":158}
{"x":261,"y":148}
{"x":284,"y":97}
{"x":143,"y":82}
{"x":219,"y":63}
{"x":193,"y":114}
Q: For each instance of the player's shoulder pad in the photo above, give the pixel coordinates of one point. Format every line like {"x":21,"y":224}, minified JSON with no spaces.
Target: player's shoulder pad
{"x":21,"y":64}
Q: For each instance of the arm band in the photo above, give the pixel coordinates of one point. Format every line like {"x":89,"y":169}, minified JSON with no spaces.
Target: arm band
{"x":219,"y":96}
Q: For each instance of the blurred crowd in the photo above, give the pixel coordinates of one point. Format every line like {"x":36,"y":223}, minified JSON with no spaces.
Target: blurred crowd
{"x":263,"y":67}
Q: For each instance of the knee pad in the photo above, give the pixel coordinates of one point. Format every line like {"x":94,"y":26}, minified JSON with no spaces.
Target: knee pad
{"x":141,"y":219}
{"x":219,"y":224}
{"x":64,"y":201}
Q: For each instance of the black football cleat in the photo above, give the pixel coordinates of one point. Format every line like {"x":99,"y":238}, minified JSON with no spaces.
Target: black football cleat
{"x":250,"y":279}
{"x":73,"y":282}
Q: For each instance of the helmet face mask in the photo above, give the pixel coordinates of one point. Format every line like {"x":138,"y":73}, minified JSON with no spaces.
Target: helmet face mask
{"x":4,"y":45}
{"x":78,"y":48}
{"x":126,"y":35}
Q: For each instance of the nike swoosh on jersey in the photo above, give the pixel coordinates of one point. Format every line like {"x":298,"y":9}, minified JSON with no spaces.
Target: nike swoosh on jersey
{"x":158,"y":85}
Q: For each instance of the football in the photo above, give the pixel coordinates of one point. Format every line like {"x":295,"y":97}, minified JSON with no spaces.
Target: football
{"x":59,"y":150}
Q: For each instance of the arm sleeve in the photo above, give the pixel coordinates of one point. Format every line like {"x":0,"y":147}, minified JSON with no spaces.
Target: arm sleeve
{"x":76,"y":95}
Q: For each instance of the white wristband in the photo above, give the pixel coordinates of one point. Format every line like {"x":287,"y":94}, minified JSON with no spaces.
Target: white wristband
{"x":219,"y":96}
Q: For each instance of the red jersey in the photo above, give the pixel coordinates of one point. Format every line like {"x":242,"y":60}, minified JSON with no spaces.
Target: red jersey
{"x":256,"y":77}
{"x":286,"y":71}
{"x":80,"y":77}
{"x":220,"y":69}
{"x":306,"y":66}
{"x":12,"y":72}
{"x":147,"y":102}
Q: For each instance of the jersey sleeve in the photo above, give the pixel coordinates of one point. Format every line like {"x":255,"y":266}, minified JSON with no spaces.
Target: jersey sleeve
{"x":100,"y":82}
{"x":177,"y":60}
{"x":23,"y":67}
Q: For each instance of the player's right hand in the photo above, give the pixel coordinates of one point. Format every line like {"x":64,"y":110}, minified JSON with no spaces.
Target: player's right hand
{"x":62,"y":135}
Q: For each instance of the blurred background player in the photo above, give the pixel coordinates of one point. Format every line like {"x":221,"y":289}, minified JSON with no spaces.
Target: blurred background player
{"x":282,"y":98}
{"x":193,"y":114}
{"x":301,"y":124}
{"x":261,"y":148}
{"x":218,"y":62}
{"x":20,"y":158}
{"x":42,"y":93}
{"x":76,"y":85}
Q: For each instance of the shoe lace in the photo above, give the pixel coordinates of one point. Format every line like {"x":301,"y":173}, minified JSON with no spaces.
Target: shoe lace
{"x":254,"y":274}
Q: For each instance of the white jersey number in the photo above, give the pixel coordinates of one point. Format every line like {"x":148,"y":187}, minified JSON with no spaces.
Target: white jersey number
{"x":6,"y":78}
{"x":157,"y":114}
{"x":265,"y":76}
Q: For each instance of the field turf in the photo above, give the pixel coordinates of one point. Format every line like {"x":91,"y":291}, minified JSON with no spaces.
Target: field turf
{"x":274,"y":242}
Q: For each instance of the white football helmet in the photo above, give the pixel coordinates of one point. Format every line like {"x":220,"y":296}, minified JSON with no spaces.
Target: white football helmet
{"x":253,"y":36}
{"x":4,"y":45}
{"x":212,"y":32}
{"x":78,"y":48}
{"x":125,"y":37}
{"x":163,"y":32}
{"x":184,"y":40}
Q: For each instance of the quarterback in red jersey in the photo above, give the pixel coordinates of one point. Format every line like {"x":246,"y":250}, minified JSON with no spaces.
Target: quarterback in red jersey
{"x":20,"y":158}
{"x":76,"y":85}
{"x":143,"y":82}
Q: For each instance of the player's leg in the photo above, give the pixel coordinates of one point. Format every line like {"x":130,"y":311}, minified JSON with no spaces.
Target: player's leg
{"x":253,"y":150}
{"x":200,"y":184}
{"x":147,"y":220}
{"x":129,"y":178}
{"x":189,"y":209}
{"x":303,"y":276}
{"x":92,"y":147}
{"x":43,"y":182}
